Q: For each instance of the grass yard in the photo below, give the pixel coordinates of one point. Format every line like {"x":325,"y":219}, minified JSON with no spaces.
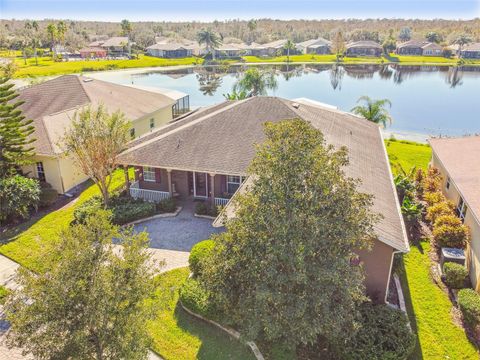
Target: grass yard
{"x":428,"y":306}
{"x":46,"y":66}
{"x":179,"y":336}
{"x":27,"y":242}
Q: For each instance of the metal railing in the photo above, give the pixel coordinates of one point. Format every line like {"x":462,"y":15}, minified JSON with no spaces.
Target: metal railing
{"x":148,"y":195}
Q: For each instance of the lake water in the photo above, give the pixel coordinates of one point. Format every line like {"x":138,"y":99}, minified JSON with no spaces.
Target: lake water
{"x":426,"y":100}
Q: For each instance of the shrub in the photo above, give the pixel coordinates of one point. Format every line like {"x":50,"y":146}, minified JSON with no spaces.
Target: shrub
{"x":48,"y":195}
{"x":18,"y":196}
{"x":3,"y":294}
{"x":129,"y":211}
{"x":384,"y":334}
{"x":439,"y":209}
{"x":166,"y":206}
{"x":89,"y":207}
{"x":432,"y":181}
{"x":201,"y":208}
{"x":201,"y":251}
{"x":432,"y":198}
{"x":455,"y":275}
{"x":469,"y":304}
{"x":196,"y":298}
{"x":419,"y":178}
{"x":448,"y":231}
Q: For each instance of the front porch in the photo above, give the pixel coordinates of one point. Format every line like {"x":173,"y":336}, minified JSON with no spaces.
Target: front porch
{"x":158,"y":184}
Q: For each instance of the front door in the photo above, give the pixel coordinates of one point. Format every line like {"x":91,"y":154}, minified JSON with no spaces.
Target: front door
{"x":200,"y":184}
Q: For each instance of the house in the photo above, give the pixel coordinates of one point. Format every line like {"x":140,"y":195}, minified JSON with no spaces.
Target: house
{"x":363,"y":48}
{"x":93,"y":52}
{"x":471,"y":51}
{"x":457,"y":159}
{"x":420,"y":48}
{"x":205,"y":155}
{"x":115,"y":46}
{"x":231,"y":51}
{"x":169,"y":50}
{"x":269,"y":49}
{"x":315,"y":46}
{"x":52,"y":104}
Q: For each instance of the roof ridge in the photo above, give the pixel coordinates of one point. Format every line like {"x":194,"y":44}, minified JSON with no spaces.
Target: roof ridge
{"x":187,"y":125}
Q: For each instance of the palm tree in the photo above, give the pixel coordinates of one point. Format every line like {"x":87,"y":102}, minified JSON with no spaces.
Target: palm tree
{"x":289,"y":45}
{"x":211,"y":40}
{"x":35,"y":41}
{"x":255,"y":82}
{"x":235,"y":95}
{"x":61,"y":31}
{"x":52,"y":33}
{"x":461,"y":41}
{"x":126,"y":31}
{"x":374,"y":110}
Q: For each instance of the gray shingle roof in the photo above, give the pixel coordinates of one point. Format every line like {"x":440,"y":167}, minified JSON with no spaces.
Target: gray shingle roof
{"x":223,"y":141}
{"x":50,"y":104}
{"x":364,"y":44}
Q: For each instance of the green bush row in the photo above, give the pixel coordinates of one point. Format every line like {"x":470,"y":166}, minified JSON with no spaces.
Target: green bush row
{"x":469,"y":304}
{"x":455,"y":275}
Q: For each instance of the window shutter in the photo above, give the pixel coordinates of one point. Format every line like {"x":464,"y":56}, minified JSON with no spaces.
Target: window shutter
{"x":157,"y":175}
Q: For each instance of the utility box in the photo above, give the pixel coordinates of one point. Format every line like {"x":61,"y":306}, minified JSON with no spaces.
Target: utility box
{"x":452,"y":255}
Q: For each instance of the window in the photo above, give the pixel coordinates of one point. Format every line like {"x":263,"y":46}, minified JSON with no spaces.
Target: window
{"x":152,"y":123}
{"x":132,"y":133}
{"x":448,"y":183}
{"x":233,"y":183}
{"x":40,"y":171}
{"x":461,"y":209}
{"x":148,"y":173}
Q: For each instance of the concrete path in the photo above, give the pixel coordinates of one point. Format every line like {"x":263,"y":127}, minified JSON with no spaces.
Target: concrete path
{"x":8,"y":269}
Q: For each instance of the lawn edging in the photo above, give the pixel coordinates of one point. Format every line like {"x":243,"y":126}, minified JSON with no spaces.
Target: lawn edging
{"x":233,"y":333}
{"x":164,"y":215}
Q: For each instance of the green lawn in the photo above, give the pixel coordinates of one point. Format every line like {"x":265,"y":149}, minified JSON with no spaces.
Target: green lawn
{"x":179,"y":336}
{"x":26,"y":242}
{"x":428,"y":306}
{"x":46,"y":66}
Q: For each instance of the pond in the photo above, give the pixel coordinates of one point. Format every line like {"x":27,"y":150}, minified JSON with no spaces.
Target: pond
{"x":426,"y":100}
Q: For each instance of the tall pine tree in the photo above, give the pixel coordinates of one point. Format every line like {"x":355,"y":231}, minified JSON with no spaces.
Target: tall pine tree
{"x":15,"y":131}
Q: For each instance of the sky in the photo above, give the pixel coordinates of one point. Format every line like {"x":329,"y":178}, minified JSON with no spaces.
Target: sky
{"x":209,"y":10}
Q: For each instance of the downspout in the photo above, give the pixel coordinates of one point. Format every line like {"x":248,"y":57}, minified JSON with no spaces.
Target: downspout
{"x":390,"y":273}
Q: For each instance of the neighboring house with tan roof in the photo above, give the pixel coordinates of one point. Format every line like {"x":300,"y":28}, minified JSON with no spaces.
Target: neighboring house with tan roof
{"x":52,"y":105}
{"x":471,"y":51}
{"x":205,"y":155}
{"x":314,"y":46}
{"x":268,"y":49}
{"x":363,"y":48}
{"x":115,"y":46}
{"x":458,"y":160}
{"x":169,"y":50}
{"x":420,"y":48}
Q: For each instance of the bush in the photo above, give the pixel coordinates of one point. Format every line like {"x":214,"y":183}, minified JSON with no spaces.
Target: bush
{"x":3,"y":294}
{"x":18,"y":196}
{"x":455,"y":275}
{"x":448,"y":231}
{"x":89,"y":207}
{"x":439,"y":209}
{"x":432,"y":198}
{"x":48,"y":195}
{"x":469,"y":304}
{"x":166,"y":206}
{"x":384,"y":334}
{"x":199,"y":253}
{"x":201,"y":208}
{"x":129,"y":211}
{"x":432,"y":181}
{"x":196,"y":298}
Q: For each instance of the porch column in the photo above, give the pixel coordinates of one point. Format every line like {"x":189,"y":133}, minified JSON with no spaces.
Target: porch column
{"x":170,"y":186}
{"x":127,"y":179}
{"x":212,"y":189}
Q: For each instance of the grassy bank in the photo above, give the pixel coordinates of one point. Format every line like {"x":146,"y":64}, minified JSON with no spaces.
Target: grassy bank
{"x":179,"y":336}
{"x":27,"y":242}
{"x":428,"y":306}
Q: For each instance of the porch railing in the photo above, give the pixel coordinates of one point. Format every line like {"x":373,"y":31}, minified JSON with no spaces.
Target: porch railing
{"x":221,"y":201}
{"x":147,"y":195}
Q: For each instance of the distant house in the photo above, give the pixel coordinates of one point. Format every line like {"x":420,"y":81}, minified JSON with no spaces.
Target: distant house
{"x":420,"y":48}
{"x":232,"y":50}
{"x":314,"y":46}
{"x":169,"y":50}
{"x":458,"y":162}
{"x":363,"y":48}
{"x":93,"y":52}
{"x":52,"y":104}
{"x":269,"y":49}
{"x":205,"y":156}
{"x":471,"y":51}
{"x":115,"y":46}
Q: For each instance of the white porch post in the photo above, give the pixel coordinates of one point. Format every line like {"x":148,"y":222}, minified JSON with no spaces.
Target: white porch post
{"x":169,"y":178}
{"x":212,"y":189}
{"x":127,"y":179}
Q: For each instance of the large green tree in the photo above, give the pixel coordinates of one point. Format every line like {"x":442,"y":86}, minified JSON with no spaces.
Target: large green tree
{"x":283,"y":269}
{"x":94,"y":141}
{"x":15,"y":131}
{"x":374,"y":110}
{"x":255,"y":82}
{"x":210,"y":39}
{"x":92,"y":302}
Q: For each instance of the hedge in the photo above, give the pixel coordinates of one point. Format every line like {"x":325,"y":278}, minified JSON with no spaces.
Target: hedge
{"x":18,"y":196}
{"x":469,"y":304}
{"x":448,"y":231}
{"x":439,"y":209}
{"x":197,"y":299}
{"x":455,"y":275}
{"x":199,"y":253}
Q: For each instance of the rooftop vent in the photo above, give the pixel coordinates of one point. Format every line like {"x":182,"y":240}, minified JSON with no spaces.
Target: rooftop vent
{"x":87,"y":80}
{"x":296,"y":105}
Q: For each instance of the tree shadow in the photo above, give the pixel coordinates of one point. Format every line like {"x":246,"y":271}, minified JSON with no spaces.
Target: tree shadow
{"x":215,"y":344}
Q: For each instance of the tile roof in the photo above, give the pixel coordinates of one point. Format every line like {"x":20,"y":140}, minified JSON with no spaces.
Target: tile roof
{"x":52,"y":104}
{"x":460,"y":157}
{"x":223,"y":139}
{"x":314,"y":43}
{"x":115,"y":41}
{"x":472,"y":47}
{"x":364,"y":43}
